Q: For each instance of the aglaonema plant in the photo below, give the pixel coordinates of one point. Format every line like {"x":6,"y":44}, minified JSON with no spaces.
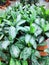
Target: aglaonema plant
{"x":21,"y":30}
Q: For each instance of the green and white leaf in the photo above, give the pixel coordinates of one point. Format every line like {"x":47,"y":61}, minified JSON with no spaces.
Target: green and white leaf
{"x":27,"y":38}
{"x":14,"y":51}
{"x":25,"y":53}
{"x":5,"y":44}
{"x":33,"y":42}
{"x":12,"y":32}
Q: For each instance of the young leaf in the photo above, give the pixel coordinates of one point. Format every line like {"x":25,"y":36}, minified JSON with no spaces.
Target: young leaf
{"x":32,"y":28}
{"x":18,"y":62}
{"x":24,"y":62}
{"x":12,"y":62}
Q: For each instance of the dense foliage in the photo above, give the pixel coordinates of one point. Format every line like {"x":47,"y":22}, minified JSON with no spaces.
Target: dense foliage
{"x":22,"y":29}
{"x":2,"y":2}
{"x":28,"y":1}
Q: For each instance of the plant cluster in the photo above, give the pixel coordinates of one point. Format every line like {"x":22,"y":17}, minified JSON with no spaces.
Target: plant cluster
{"x":22,"y":29}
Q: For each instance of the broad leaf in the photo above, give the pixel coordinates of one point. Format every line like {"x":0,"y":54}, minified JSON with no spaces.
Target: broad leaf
{"x":37,"y":54}
{"x":27,"y":38}
{"x":12,"y":32}
{"x":38,"y":31}
{"x":25,"y":53}
{"x":5,"y":44}
{"x":34,"y":60}
{"x":14,"y":51}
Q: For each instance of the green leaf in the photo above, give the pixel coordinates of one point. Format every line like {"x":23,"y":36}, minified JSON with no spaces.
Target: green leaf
{"x":25,"y":53}
{"x":27,"y":38}
{"x":37,"y":54}
{"x":14,"y":51}
{"x":18,"y":62}
{"x":46,"y":27}
{"x":34,"y":60}
{"x":3,"y":56}
{"x":0,"y":63}
{"x":33,"y":14}
{"x":33,"y":42}
{"x":47,"y":11}
{"x":2,"y":13}
{"x":20,"y":45}
{"x":21,"y":22}
{"x":5,"y":44}
{"x":24,"y":29}
{"x":37,"y":21}
{"x":38,"y":30}
{"x":47,"y":34}
{"x":42,"y":22}
{"x":18,"y":18}
{"x":32,"y":28}
{"x":1,"y":36}
{"x":40,"y":39}
{"x":12,"y":62}
{"x":47,"y":50}
{"x":43,"y":43}
{"x":12,"y":32}
{"x":24,"y":62}
{"x":13,"y":14}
